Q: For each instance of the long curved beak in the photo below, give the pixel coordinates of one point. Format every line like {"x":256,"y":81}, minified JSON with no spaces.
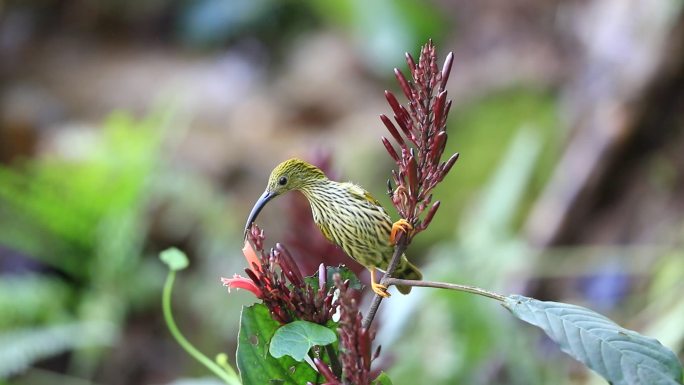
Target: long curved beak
{"x":263,"y":199}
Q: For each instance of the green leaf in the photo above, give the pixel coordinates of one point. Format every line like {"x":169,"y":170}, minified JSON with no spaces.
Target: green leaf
{"x":174,"y":258}
{"x":344,"y":273}
{"x":256,"y":365}
{"x":296,"y":338}
{"x":383,"y":379}
{"x":621,"y":356}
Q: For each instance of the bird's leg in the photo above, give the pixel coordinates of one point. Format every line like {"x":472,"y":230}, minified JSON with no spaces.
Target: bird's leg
{"x":400,"y":225}
{"x":379,"y":289}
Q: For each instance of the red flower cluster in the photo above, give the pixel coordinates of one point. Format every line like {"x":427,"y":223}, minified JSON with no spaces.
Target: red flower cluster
{"x":423,"y":124}
{"x":356,"y":342}
{"x":276,"y":280}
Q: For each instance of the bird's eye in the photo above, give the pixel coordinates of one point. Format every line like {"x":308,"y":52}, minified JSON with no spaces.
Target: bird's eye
{"x":282,"y":181}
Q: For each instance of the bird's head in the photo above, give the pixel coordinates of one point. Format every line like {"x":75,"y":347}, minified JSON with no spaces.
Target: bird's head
{"x":292,"y":174}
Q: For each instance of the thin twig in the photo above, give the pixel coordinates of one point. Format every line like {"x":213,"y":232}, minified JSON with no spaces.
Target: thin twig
{"x":444,"y":285}
{"x":399,"y":249}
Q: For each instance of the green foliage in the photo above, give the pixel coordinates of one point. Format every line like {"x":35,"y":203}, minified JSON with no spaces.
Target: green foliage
{"x":330,"y":271}
{"x":455,"y":337}
{"x":256,"y":365}
{"x":383,"y":379}
{"x":19,"y":348}
{"x":66,"y":201}
{"x":621,"y":356}
{"x":175,"y":259}
{"x":30,"y":299}
{"x":384,"y":28}
{"x":196,"y":381}
{"x":504,"y":116}
{"x":296,"y":338}
{"x":82,"y":214}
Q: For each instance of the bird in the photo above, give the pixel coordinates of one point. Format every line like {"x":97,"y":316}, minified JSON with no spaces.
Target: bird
{"x":346,"y":214}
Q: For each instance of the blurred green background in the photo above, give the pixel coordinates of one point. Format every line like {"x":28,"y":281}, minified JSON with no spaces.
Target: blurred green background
{"x":130,"y":126}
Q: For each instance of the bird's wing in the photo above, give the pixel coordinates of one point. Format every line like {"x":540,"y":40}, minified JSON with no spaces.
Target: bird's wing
{"x":360,"y":193}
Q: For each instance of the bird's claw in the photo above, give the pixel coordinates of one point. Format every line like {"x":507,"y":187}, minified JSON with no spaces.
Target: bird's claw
{"x":400,"y":225}
{"x":380,"y":290}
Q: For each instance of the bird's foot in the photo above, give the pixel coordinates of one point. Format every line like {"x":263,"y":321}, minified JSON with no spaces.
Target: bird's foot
{"x":378,"y":288}
{"x":400,"y":225}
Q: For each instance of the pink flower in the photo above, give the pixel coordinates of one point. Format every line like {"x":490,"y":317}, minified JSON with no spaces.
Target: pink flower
{"x":238,"y":282}
{"x":276,"y":280}
{"x":253,"y":261}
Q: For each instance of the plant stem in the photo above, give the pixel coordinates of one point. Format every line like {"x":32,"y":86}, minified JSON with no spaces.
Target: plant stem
{"x":399,"y":249}
{"x":334,"y":361}
{"x":229,"y":376}
{"x":444,"y":285}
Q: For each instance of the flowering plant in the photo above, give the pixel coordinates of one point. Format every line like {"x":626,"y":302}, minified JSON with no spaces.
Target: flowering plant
{"x":310,"y":330}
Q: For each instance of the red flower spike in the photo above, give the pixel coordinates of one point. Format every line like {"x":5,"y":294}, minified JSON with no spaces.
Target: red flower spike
{"x":449,"y":163}
{"x":439,"y":109}
{"x":412,"y":176}
{"x":394,"y":103}
{"x":276,"y":279}
{"x":355,"y":341}
{"x":408,"y":123}
{"x":447,"y":109}
{"x":403,"y":83}
{"x":446,"y":71}
{"x":402,"y":123}
{"x":430,"y":214}
{"x":411,"y":63}
{"x":422,"y":124}
{"x":438,"y":146}
{"x":326,"y":372}
{"x":390,"y":149}
{"x":392,"y":130}
{"x":289,"y":265}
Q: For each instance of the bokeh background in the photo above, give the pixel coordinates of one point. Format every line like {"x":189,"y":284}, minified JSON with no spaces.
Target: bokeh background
{"x":130,"y":126}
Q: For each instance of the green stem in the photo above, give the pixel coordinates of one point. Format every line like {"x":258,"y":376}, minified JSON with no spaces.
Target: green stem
{"x":444,"y":285}
{"x":229,"y":376}
{"x":334,"y":361}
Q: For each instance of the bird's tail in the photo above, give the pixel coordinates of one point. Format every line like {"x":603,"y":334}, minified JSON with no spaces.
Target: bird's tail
{"x":406,"y":270}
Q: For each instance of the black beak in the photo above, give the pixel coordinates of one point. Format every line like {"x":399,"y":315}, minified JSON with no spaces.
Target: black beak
{"x":263,"y":199}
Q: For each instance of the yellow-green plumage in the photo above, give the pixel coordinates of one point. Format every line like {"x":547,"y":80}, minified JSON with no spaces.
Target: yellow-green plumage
{"x":346,"y":214}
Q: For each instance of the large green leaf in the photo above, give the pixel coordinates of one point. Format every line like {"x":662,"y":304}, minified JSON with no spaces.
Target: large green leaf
{"x":621,"y":356}
{"x":256,"y":365}
{"x":296,"y":338}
